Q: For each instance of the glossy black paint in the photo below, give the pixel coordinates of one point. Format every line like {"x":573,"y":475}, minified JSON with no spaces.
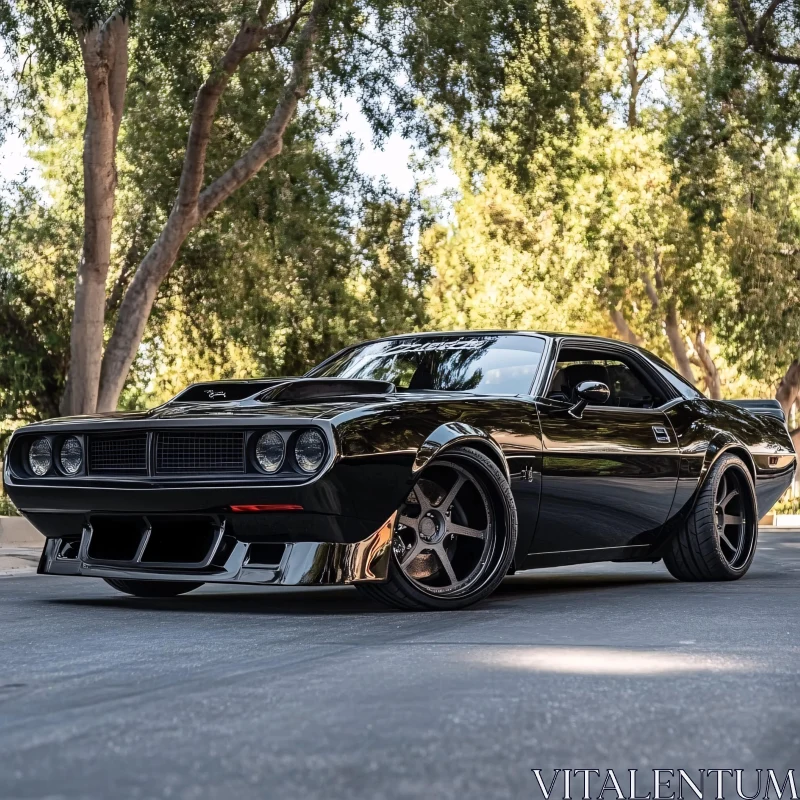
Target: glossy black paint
{"x":594,"y":488}
{"x":606,"y":481}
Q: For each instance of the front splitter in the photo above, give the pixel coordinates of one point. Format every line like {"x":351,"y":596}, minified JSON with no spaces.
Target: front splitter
{"x":302,"y":564}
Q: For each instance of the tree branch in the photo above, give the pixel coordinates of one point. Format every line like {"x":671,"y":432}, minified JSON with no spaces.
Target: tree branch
{"x":710,"y":372}
{"x":192,"y":206}
{"x":755,"y":37}
{"x":251,"y":35}
{"x":668,"y":38}
{"x":650,"y":290}
{"x":270,"y":142}
{"x":623,"y":328}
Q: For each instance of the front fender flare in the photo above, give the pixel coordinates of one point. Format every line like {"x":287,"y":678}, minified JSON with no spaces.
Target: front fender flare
{"x":450,"y":434}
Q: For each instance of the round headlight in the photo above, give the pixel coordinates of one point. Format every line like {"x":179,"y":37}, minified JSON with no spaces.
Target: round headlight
{"x":40,"y":456}
{"x":310,"y":451}
{"x":269,"y":451}
{"x":71,"y":456}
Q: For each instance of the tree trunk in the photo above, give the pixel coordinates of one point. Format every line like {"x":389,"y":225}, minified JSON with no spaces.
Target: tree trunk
{"x":789,"y":387}
{"x":105,"y":58}
{"x":676,"y":342}
{"x":710,"y":372}
{"x":192,"y":206}
{"x":623,"y":329}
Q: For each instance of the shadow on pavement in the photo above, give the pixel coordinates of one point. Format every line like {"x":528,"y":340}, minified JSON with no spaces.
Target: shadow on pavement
{"x":343,"y":600}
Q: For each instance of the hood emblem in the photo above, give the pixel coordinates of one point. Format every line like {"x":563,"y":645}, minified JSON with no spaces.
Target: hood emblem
{"x":213,"y":394}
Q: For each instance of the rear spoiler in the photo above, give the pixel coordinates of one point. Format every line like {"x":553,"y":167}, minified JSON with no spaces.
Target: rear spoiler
{"x":762,"y":408}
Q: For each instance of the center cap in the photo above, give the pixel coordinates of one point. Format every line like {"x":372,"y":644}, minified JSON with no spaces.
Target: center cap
{"x":431,"y":529}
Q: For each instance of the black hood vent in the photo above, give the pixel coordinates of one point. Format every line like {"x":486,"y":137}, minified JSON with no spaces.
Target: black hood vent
{"x":324,"y":389}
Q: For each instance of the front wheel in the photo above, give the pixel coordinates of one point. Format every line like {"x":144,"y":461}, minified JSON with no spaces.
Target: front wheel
{"x":152,"y":588}
{"x":454,"y":536}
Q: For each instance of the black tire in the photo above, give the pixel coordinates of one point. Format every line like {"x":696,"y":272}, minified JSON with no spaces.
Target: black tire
{"x":493,"y":562}
{"x":152,"y":588}
{"x":707,"y":547}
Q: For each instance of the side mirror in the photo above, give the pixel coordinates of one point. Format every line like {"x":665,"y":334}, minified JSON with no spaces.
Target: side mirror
{"x":587,"y":392}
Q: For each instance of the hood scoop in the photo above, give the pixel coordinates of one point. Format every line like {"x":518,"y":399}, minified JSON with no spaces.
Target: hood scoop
{"x":226,"y":391}
{"x":302,"y":389}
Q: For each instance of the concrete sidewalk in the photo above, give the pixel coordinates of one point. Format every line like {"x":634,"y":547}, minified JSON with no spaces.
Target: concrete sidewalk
{"x":18,"y":560}
{"x":18,"y":532}
{"x":20,"y":547}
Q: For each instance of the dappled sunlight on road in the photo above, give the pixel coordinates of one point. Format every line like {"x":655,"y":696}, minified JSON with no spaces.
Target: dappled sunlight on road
{"x":605,"y":661}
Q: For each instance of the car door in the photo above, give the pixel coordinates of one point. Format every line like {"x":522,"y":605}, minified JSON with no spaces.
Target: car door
{"x":609,"y":476}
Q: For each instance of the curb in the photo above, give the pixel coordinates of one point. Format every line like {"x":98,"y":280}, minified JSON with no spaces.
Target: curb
{"x":18,"y":532}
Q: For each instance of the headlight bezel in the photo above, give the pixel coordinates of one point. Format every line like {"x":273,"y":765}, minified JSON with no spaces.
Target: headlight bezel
{"x":281,"y":463}
{"x":45,"y":440}
{"x":81,"y":457}
{"x":298,"y":459}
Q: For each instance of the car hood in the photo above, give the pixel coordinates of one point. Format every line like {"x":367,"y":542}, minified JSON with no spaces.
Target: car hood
{"x":243,"y":412}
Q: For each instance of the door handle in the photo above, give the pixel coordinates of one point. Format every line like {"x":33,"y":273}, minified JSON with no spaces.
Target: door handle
{"x":661,"y":434}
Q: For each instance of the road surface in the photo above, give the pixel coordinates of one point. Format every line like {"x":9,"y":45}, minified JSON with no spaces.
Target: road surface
{"x":248,"y":693}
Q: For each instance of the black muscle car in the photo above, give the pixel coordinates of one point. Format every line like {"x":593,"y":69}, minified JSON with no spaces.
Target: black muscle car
{"x":420,"y":468}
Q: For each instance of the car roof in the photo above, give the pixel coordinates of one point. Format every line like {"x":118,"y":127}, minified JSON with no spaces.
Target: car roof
{"x":507,"y":332}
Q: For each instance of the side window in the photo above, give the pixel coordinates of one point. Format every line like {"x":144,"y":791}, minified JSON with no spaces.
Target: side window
{"x":628,"y":384}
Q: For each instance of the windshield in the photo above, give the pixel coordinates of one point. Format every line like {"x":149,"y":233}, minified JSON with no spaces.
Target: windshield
{"x":492,"y":364}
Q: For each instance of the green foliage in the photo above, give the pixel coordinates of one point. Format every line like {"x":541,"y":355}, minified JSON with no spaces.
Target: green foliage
{"x":615,"y":157}
{"x":7,"y":508}
{"x":34,"y":310}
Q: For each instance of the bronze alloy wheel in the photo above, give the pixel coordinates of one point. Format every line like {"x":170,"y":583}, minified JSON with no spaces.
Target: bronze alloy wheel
{"x":454,"y":536}
{"x":718,"y":540}
{"x":731,"y":520}
{"x":445,"y":532}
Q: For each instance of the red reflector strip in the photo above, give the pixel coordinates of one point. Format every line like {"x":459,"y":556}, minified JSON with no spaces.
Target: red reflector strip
{"x":268,"y":507}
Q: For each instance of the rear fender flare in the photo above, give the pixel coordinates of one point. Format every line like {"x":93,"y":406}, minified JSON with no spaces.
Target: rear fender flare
{"x":720,"y":444}
{"x":449,"y":435}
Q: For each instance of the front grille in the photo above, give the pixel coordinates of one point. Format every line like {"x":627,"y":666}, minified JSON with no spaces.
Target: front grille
{"x":196,"y":453}
{"x":118,"y":454}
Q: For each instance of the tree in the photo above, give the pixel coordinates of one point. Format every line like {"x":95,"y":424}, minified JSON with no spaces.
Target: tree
{"x":360,"y":45}
{"x":772,"y":33}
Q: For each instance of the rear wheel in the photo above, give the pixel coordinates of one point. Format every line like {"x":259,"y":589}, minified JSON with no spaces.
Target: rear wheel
{"x":718,"y":541}
{"x":454,"y":536}
{"x":152,"y":588}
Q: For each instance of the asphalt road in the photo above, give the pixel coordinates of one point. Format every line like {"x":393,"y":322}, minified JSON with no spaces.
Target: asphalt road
{"x":244,"y":693}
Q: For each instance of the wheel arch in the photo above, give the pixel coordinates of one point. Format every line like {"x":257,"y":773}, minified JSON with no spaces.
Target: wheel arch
{"x":452,"y":434}
{"x":726,"y":444}
{"x":721,"y":444}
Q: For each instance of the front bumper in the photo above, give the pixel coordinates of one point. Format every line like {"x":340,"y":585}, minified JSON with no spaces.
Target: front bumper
{"x":230,"y":560}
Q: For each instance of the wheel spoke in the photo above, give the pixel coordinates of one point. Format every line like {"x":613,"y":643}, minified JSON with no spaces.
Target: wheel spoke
{"x":441,"y":554}
{"x":730,"y":519}
{"x":722,"y":489}
{"x":422,"y":501}
{"x":727,"y":541}
{"x":411,"y":554}
{"x":728,"y":497}
{"x":451,"y":495}
{"x":463,"y":530}
{"x":409,"y":522}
